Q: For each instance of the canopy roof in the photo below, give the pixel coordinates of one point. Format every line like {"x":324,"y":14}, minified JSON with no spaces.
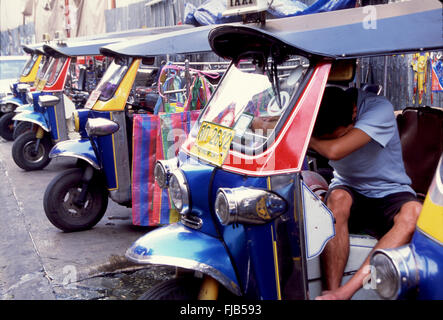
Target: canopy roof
{"x":33,"y":48}
{"x":89,"y":46}
{"x":402,"y":27}
{"x":185,"y":41}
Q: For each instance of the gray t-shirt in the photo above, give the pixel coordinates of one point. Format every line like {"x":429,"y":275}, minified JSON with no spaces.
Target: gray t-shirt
{"x":376,"y":169}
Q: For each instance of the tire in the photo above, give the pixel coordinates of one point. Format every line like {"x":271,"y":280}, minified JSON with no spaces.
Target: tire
{"x":21,"y":128}
{"x":23,"y":151}
{"x":59,"y":206}
{"x":184,"y":288}
{"x":7,"y":126}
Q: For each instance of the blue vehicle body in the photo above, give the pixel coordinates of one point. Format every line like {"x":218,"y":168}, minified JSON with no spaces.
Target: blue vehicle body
{"x":80,"y":148}
{"x":271,"y":249}
{"x":429,"y":256}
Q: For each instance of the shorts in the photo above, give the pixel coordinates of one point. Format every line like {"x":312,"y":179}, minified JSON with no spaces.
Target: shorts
{"x":373,"y":216}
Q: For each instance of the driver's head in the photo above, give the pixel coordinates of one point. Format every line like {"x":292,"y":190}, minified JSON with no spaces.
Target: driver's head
{"x":336,"y":112}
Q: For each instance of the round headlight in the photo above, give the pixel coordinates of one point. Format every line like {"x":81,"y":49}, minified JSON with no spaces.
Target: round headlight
{"x":160,"y":175}
{"x":395,"y":272}
{"x":224,"y":209}
{"x":178,"y":190}
{"x":386,"y":276}
{"x":162,"y":170}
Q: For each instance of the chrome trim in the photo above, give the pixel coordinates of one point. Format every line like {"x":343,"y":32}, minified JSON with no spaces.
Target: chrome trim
{"x":76,"y":155}
{"x":184,"y":190}
{"x":30,"y":98}
{"x":191,"y":221}
{"x":44,"y":127}
{"x":101,"y":127}
{"x":48,"y":100}
{"x":405,"y":265}
{"x":166,"y":166}
{"x":12,"y":102}
{"x":121,"y":157}
{"x":188,"y":264}
{"x":249,"y":205}
{"x":23,"y":87}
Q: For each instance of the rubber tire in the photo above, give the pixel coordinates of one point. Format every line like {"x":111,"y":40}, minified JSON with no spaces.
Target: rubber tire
{"x":18,"y":148}
{"x":54,"y":205}
{"x":183,"y":288}
{"x":6,"y":126}
{"x":20,"y":128}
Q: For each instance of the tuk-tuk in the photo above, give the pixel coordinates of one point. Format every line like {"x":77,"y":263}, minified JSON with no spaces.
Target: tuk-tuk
{"x":252,"y":220}
{"x":26,"y":83}
{"x":30,"y":150}
{"x":77,"y":198}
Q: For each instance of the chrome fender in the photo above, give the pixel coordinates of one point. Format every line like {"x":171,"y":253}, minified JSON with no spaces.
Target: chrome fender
{"x":24,"y":108}
{"x":77,"y":148}
{"x":179,"y":246}
{"x":34,"y":117}
{"x":12,"y":100}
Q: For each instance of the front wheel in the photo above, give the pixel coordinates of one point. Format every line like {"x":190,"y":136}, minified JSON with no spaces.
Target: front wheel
{"x":188,"y":288}
{"x":61,"y":201}
{"x":184,"y":288}
{"x":7,"y":126}
{"x":28,"y":155}
{"x":20,"y":128}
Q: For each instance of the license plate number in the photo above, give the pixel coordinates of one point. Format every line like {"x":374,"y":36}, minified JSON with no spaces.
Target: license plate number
{"x":213,"y":143}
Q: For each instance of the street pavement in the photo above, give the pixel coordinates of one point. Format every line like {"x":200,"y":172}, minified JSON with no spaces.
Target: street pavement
{"x":38,"y":261}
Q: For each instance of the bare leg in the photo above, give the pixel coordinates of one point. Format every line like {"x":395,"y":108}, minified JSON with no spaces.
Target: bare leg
{"x":400,"y":234}
{"x":336,"y":252}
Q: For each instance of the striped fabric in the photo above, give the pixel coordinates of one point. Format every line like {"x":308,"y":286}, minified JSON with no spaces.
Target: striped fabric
{"x":155,"y":137}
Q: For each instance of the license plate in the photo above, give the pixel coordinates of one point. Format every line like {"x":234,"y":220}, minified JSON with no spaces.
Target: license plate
{"x":212,"y":143}
{"x":93,"y":97}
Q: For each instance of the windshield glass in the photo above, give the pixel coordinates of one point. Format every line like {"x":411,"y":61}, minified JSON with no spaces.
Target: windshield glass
{"x":111,"y":79}
{"x":29,"y":65}
{"x":247,"y":100}
{"x":10,"y":69}
{"x":54,"y":70}
{"x":43,"y":67}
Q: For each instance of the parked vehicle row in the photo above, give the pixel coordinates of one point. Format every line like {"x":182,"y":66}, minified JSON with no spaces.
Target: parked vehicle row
{"x":248,"y":191}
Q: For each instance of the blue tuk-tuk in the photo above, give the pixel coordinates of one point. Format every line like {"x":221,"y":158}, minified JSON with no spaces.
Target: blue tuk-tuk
{"x":52,"y":108}
{"x":77,"y":198}
{"x":252,"y":220}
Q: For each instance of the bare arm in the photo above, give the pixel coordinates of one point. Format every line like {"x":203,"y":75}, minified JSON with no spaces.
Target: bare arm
{"x":338,"y":148}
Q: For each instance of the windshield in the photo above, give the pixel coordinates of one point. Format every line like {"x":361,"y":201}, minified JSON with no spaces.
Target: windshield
{"x":54,"y":70}
{"x":247,"y":100}
{"x":43,"y":67}
{"x":10,"y":69}
{"x":29,"y":65}
{"x":111,"y":79}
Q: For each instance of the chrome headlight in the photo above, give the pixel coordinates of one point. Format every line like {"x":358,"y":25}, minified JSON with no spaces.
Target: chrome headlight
{"x":179,"y":191}
{"x":248,"y":205}
{"x":395,"y":272}
{"x":101,"y":127}
{"x":162,"y":171}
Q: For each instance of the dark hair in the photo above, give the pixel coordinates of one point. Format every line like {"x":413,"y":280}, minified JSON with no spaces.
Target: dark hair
{"x":336,"y":110}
